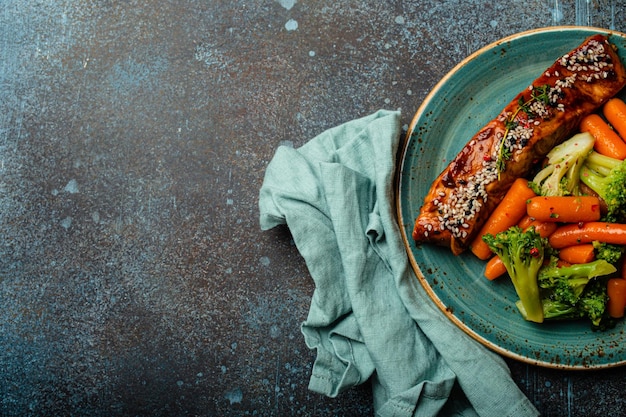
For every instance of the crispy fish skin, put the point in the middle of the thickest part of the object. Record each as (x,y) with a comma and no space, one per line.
(463,196)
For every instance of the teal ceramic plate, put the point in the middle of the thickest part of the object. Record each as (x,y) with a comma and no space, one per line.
(468,97)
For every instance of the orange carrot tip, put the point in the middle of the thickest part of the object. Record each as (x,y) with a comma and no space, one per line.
(615,112)
(616,290)
(494,268)
(578,254)
(508,213)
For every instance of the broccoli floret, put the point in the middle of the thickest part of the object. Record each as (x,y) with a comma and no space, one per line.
(610,253)
(561,175)
(522,252)
(566,284)
(592,303)
(607,177)
(574,292)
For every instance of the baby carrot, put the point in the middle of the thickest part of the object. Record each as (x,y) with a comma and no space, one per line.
(577,233)
(544,229)
(607,141)
(564,209)
(510,210)
(525,222)
(578,254)
(615,112)
(494,268)
(560,263)
(616,290)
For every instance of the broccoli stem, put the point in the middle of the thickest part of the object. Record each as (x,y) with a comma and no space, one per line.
(607,177)
(550,275)
(522,252)
(552,310)
(524,278)
(601,163)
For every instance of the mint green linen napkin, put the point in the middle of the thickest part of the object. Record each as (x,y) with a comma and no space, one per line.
(369,318)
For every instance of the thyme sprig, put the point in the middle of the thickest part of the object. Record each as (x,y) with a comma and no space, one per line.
(541,96)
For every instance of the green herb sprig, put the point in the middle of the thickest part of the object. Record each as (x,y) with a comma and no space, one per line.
(540,94)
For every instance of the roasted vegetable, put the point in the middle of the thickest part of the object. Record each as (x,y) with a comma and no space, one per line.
(561,174)
(607,177)
(573,292)
(522,252)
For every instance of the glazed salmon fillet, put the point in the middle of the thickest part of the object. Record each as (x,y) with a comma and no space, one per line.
(463,196)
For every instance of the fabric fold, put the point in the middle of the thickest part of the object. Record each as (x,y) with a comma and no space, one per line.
(369,318)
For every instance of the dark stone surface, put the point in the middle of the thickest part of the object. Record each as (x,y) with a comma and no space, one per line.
(134,279)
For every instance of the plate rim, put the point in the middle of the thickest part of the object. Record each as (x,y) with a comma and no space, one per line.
(407,142)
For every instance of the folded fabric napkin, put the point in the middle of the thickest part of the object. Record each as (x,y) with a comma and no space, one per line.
(370,319)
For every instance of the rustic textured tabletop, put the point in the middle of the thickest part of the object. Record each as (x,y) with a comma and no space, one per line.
(134,136)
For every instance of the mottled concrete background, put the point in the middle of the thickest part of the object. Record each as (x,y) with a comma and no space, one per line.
(134,279)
